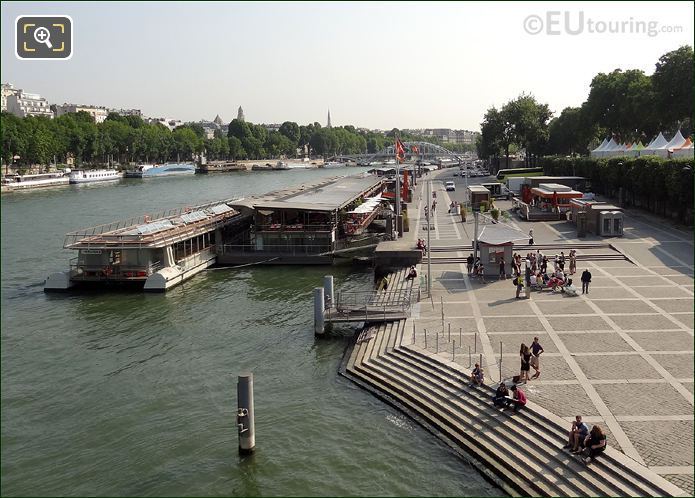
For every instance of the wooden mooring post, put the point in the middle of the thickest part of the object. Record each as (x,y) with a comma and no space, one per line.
(245,414)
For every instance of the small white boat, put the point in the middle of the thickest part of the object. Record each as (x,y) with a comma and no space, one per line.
(94,175)
(21,182)
(334,164)
(281,166)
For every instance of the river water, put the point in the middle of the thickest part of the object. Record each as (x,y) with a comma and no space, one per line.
(127,393)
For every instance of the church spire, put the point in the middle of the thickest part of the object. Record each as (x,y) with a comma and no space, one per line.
(240,114)
(328,124)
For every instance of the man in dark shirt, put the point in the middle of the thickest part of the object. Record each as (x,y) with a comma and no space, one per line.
(469,263)
(536,350)
(586,280)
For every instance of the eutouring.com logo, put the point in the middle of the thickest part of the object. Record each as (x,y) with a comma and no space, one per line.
(555,23)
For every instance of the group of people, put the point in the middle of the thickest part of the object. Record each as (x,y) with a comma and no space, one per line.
(422,245)
(454,207)
(582,440)
(475,267)
(536,275)
(412,274)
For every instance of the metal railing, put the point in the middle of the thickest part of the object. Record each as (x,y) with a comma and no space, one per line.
(100,232)
(83,271)
(298,227)
(287,249)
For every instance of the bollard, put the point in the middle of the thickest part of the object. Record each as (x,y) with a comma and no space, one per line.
(449,340)
(318,311)
(460,336)
(480,362)
(413,332)
(244,418)
(500,361)
(453,350)
(425,338)
(437,344)
(475,342)
(441,301)
(328,290)
(470,359)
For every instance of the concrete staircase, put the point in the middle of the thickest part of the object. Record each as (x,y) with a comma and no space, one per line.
(522,452)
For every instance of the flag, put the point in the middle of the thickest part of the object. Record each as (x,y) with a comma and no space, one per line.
(400,150)
(415,149)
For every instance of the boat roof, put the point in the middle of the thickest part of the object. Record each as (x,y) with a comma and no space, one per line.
(327,195)
(158,231)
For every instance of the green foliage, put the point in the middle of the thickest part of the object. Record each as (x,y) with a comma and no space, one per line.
(483,206)
(495,213)
(661,185)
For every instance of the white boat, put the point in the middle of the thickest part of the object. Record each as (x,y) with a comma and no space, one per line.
(168,169)
(281,166)
(94,175)
(334,164)
(21,182)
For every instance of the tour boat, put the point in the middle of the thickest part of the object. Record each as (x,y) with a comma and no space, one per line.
(168,169)
(21,182)
(94,175)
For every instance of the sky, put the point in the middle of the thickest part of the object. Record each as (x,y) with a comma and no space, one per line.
(375,65)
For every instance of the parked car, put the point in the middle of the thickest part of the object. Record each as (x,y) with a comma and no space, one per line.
(450,186)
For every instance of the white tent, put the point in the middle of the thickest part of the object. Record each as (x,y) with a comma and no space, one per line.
(636,149)
(610,147)
(685,150)
(676,142)
(597,151)
(655,145)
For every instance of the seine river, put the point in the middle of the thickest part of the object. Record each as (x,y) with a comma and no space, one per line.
(126,393)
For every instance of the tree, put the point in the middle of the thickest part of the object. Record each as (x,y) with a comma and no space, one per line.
(239,129)
(291,131)
(236,149)
(186,142)
(527,124)
(673,85)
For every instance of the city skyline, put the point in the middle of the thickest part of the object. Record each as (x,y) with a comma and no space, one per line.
(292,62)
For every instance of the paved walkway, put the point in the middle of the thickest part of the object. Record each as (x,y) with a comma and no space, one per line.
(621,356)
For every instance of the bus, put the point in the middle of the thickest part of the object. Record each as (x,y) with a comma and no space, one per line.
(503,174)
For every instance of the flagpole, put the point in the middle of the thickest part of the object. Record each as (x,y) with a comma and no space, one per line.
(398,189)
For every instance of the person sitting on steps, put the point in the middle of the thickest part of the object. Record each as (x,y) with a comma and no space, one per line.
(577,435)
(477,376)
(499,399)
(412,274)
(595,444)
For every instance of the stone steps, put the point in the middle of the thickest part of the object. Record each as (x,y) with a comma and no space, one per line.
(606,473)
(502,446)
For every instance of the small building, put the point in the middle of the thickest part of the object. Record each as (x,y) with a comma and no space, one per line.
(478,194)
(596,217)
(98,113)
(496,242)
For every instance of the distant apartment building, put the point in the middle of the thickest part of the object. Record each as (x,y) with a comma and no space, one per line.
(25,104)
(271,127)
(7,90)
(98,113)
(172,124)
(127,112)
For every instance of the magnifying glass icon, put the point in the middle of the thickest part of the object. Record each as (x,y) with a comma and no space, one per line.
(42,35)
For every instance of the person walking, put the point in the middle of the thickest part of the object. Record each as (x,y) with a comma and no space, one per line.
(530,237)
(469,263)
(536,351)
(503,272)
(586,280)
(518,280)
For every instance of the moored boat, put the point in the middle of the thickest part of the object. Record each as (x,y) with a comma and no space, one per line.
(168,169)
(94,175)
(21,182)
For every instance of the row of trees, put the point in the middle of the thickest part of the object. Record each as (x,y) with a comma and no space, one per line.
(122,139)
(628,105)
(39,140)
(659,185)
